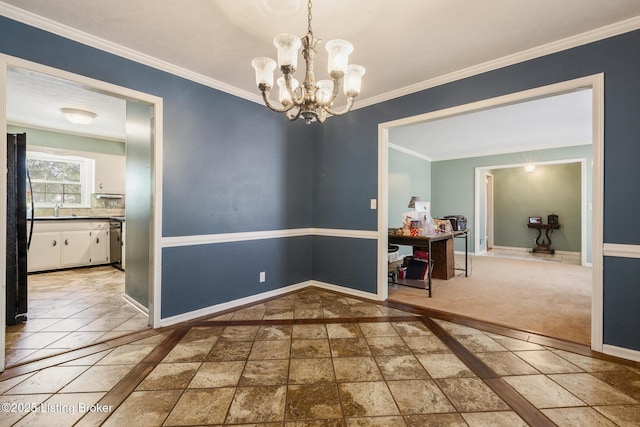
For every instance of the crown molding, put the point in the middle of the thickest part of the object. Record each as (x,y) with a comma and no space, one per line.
(76,35)
(602,33)
(71,33)
(410,152)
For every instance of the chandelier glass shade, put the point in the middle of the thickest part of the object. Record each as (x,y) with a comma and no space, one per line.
(312,100)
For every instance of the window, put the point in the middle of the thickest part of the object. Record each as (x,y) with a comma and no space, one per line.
(60,179)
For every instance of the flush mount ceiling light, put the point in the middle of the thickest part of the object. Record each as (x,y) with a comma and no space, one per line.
(529,167)
(79,117)
(312,100)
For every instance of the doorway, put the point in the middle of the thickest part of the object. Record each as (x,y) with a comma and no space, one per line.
(489,210)
(140,279)
(595,83)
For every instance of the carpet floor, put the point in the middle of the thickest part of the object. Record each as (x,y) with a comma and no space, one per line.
(547,298)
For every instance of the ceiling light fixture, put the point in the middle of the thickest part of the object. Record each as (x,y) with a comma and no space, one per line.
(312,100)
(79,117)
(529,167)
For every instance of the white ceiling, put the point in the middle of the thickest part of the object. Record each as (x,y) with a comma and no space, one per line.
(555,121)
(404,45)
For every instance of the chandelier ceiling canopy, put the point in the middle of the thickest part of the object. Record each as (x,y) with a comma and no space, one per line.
(312,100)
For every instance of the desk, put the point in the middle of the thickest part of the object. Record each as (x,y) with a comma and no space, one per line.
(440,248)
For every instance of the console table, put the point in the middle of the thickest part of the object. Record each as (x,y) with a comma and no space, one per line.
(542,245)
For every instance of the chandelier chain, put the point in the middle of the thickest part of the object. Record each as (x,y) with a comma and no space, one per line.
(309,16)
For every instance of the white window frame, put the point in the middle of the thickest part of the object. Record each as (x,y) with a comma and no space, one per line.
(87,168)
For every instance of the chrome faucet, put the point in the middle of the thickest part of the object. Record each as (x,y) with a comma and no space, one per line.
(56,209)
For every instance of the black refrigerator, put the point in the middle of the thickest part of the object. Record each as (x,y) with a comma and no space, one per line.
(18,238)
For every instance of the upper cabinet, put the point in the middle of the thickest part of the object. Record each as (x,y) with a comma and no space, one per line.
(110,172)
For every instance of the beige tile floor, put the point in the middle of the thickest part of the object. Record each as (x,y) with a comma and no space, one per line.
(71,308)
(316,358)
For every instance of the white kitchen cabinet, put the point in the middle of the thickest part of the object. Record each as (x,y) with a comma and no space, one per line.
(68,243)
(110,172)
(100,245)
(45,251)
(75,249)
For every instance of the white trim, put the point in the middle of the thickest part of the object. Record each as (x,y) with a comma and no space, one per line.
(230,305)
(208,239)
(622,251)
(410,152)
(157,131)
(71,33)
(596,83)
(135,304)
(155,297)
(622,352)
(348,291)
(211,310)
(612,30)
(597,213)
(383,213)
(353,234)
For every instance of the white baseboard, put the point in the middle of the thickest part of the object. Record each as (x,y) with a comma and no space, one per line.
(624,353)
(341,289)
(208,311)
(135,304)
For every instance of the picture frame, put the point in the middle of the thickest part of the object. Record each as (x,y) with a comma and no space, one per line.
(535,220)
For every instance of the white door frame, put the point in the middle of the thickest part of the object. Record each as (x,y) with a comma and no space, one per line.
(488,211)
(7,62)
(596,84)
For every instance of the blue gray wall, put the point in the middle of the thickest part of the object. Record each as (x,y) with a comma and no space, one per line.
(349,155)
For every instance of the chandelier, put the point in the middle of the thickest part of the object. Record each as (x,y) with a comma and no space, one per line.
(312,100)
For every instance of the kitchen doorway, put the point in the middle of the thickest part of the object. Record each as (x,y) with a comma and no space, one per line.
(122,297)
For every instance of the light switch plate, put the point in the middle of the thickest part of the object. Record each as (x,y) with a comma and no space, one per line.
(374,204)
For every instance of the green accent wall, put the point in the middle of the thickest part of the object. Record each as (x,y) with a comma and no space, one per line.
(547,189)
(44,138)
(453,188)
(408,176)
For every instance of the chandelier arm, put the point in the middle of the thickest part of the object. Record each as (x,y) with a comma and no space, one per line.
(346,109)
(297,100)
(293,117)
(267,102)
(334,93)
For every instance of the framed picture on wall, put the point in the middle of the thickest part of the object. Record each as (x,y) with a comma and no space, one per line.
(535,220)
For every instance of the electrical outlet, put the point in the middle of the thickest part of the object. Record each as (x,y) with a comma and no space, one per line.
(263,277)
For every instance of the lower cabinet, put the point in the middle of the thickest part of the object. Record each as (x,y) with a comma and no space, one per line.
(75,250)
(45,251)
(71,243)
(100,246)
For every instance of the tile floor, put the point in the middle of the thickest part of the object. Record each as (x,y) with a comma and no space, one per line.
(316,358)
(69,309)
(525,254)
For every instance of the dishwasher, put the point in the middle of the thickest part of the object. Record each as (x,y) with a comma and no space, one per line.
(115,235)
